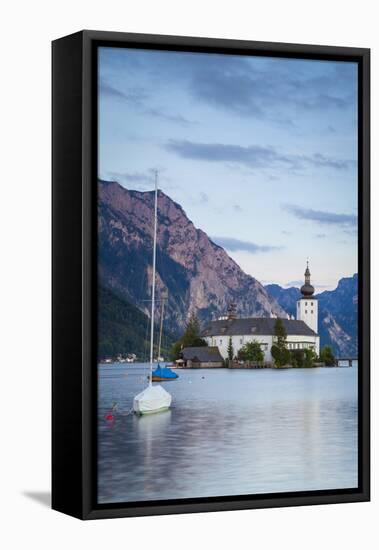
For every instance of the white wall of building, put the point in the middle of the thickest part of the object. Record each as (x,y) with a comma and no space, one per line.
(222,342)
(307,311)
(266,342)
(301,342)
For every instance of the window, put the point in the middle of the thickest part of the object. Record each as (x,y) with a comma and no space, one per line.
(306,303)
(312,311)
(220,340)
(241,340)
(311,303)
(306,312)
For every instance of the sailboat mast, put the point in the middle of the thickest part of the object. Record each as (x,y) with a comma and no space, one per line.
(153,282)
(161,328)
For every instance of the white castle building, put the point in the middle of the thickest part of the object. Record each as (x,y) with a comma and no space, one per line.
(302,332)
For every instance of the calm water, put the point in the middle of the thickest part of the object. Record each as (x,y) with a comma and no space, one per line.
(229,432)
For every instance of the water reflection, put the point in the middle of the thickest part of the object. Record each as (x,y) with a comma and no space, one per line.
(229,432)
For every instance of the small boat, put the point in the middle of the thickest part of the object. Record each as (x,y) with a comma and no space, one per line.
(163,373)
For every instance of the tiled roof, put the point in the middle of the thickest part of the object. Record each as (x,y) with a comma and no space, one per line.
(204,354)
(256,325)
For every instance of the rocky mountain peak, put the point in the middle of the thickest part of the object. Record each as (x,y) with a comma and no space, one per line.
(198,274)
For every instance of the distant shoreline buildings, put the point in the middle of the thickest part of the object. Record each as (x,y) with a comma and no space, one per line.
(302,332)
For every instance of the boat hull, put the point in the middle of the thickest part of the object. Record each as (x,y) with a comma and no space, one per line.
(155,411)
(163,374)
(161,379)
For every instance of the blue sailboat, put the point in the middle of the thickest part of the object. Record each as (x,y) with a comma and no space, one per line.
(163,373)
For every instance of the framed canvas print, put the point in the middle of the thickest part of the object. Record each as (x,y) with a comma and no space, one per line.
(211,345)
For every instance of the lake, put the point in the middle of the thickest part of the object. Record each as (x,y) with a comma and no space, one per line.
(229,432)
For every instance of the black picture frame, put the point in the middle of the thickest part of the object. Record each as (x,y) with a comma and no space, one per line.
(74,175)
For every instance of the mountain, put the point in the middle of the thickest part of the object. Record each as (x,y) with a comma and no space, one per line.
(339,316)
(123,328)
(338,313)
(198,274)
(286,297)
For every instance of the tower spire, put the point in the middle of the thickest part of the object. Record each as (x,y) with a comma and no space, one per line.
(307,274)
(307,290)
(307,307)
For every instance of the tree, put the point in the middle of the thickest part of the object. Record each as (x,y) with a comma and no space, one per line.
(302,358)
(281,356)
(251,352)
(230,350)
(327,356)
(297,358)
(190,338)
(310,358)
(280,334)
(279,350)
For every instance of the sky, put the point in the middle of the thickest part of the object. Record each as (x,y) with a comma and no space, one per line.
(260,152)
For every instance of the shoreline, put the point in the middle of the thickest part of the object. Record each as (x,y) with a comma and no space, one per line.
(239,367)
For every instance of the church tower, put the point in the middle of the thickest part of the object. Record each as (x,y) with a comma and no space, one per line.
(307,306)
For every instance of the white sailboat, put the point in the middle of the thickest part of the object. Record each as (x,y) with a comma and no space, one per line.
(152,399)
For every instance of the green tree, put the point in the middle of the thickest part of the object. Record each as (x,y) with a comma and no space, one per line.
(230,350)
(297,358)
(190,338)
(251,351)
(280,333)
(302,358)
(327,356)
(310,358)
(279,350)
